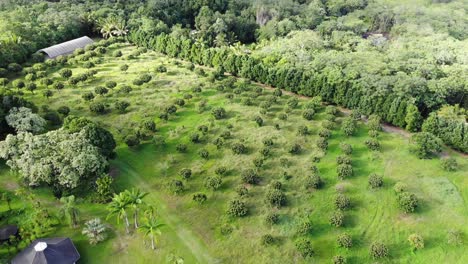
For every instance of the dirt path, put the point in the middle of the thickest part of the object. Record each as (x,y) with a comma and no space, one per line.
(190,240)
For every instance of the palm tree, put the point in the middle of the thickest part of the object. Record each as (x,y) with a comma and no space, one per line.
(95,231)
(152,228)
(69,210)
(112,26)
(118,207)
(135,197)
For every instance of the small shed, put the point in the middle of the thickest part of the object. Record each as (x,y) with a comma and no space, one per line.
(66,47)
(48,251)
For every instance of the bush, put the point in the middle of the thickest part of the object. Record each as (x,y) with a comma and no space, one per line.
(275,198)
(117,53)
(374,123)
(237,208)
(304,227)
(242,191)
(265,151)
(277,185)
(308,114)
(132,140)
(185,173)
(268,142)
(426,144)
(111,84)
(344,240)
(399,187)
(64,110)
(342,202)
(59,86)
(250,176)
(373,134)
(176,186)
(258,120)
(375,181)
(14,67)
(343,159)
(258,162)
(378,250)
(373,144)
(292,103)
(455,237)
(314,181)
(181,147)
(239,148)
(195,138)
(416,242)
(449,164)
(97,107)
(338,259)
(271,218)
(346,148)
(336,219)
(200,198)
(149,125)
(295,149)
(322,143)
(161,68)
(221,170)
(302,130)
(171,109)
(267,240)
(407,202)
(304,247)
(325,133)
(180,102)
(218,113)
(282,116)
(101,90)
(213,183)
(88,65)
(344,171)
(203,153)
(349,126)
(278,92)
(31,87)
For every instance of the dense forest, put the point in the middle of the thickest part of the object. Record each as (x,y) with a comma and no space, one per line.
(405,61)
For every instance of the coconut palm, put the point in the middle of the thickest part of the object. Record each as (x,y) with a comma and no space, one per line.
(69,210)
(152,228)
(118,207)
(135,197)
(95,231)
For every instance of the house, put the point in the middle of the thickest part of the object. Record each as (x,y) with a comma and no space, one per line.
(48,251)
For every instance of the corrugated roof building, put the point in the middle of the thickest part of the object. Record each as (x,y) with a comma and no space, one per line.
(66,47)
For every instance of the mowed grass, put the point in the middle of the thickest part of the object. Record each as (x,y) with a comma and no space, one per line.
(194,231)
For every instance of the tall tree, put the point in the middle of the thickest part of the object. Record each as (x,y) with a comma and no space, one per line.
(118,207)
(152,228)
(135,197)
(70,210)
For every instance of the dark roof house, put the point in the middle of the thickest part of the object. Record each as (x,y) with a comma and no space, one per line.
(7,231)
(48,251)
(66,47)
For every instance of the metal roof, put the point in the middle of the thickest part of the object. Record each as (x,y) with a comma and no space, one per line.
(48,251)
(66,47)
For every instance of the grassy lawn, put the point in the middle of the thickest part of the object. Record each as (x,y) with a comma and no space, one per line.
(193,231)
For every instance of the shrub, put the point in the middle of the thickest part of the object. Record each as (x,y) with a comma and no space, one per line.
(338,259)
(31,87)
(292,103)
(268,142)
(258,120)
(203,153)
(218,113)
(101,90)
(111,84)
(3,72)
(416,242)
(328,124)
(278,92)
(117,53)
(265,151)
(97,107)
(181,147)
(304,247)
(399,187)
(344,171)
(455,237)
(407,202)
(349,126)
(258,162)
(308,114)
(250,176)
(30,77)
(374,123)
(132,140)
(185,173)
(314,181)
(149,125)
(344,240)
(226,134)
(271,218)
(378,250)
(295,149)
(302,130)
(171,109)
(237,208)
(195,138)
(14,67)
(343,159)
(18,84)
(322,143)
(336,219)
(176,186)
(373,133)
(200,198)
(342,202)
(282,116)
(213,183)
(59,86)
(180,102)
(275,198)
(304,227)
(64,110)
(346,148)
(161,68)
(426,144)
(325,133)
(88,65)
(242,191)
(267,240)
(449,164)
(239,148)
(373,144)
(375,181)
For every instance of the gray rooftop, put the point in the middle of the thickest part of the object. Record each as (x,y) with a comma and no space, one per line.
(66,47)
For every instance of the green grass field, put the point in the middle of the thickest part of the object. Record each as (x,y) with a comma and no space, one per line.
(193,231)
